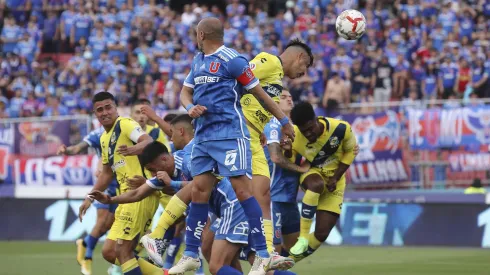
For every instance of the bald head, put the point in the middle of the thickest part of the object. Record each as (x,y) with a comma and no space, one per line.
(211,28)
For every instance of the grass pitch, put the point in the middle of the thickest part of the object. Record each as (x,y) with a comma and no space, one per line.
(44,258)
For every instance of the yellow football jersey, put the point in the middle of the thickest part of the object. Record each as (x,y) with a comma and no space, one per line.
(336,144)
(268,69)
(157,134)
(124,132)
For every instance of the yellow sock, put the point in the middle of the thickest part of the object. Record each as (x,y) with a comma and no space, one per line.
(313,242)
(147,268)
(310,202)
(269,235)
(131,267)
(175,209)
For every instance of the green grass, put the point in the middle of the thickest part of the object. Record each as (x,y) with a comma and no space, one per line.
(39,258)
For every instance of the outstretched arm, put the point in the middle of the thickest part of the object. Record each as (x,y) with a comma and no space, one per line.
(72,150)
(278,158)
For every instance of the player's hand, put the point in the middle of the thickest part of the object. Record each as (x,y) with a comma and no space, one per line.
(149,112)
(305,167)
(164,177)
(286,144)
(126,150)
(136,182)
(331,184)
(61,150)
(83,208)
(197,111)
(100,197)
(356,150)
(288,131)
(263,140)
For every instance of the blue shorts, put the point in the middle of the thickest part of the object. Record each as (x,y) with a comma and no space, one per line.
(111,191)
(228,158)
(232,226)
(285,218)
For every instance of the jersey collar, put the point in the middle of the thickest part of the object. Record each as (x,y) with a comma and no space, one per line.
(219,49)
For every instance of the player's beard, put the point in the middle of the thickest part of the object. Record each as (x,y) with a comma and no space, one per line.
(200,46)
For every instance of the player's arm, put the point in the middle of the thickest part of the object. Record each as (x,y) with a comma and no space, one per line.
(176,185)
(72,150)
(103,180)
(162,124)
(186,94)
(349,149)
(132,129)
(128,197)
(278,158)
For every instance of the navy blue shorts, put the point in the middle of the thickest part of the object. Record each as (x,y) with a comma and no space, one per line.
(111,191)
(285,218)
(228,158)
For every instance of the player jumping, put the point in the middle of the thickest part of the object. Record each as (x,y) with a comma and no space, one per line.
(328,144)
(211,95)
(270,70)
(122,140)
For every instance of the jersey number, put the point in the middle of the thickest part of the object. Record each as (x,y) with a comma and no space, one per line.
(214,67)
(278,221)
(230,158)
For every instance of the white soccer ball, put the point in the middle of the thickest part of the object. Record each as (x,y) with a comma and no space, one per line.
(351,24)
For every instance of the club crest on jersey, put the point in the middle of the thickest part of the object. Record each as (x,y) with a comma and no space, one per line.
(334,142)
(214,67)
(113,139)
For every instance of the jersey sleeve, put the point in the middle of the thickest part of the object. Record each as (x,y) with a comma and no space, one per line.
(348,145)
(240,70)
(155,183)
(189,79)
(93,138)
(272,132)
(182,163)
(131,129)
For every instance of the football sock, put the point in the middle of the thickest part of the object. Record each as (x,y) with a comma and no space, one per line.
(169,235)
(284,252)
(131,267)
(228,270)
(313,243)
(308,210)
(269,235)
(89,242)
(172,251)
(200,270)
(174,210)
(198,216)
(147,268)
(284,272)
(254,215)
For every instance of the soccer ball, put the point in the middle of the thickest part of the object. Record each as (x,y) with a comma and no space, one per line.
(350,24)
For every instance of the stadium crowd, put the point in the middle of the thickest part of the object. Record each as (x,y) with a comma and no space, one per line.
(412,49)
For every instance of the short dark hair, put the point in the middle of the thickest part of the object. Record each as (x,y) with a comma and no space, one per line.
(141,101)
(151,152)
(302,113)
(169,117)
(298,43)
(102,96)
(182,118)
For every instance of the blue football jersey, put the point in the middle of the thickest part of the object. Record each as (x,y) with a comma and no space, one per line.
(93,140)
(219,81)
(222,197)
(284,183)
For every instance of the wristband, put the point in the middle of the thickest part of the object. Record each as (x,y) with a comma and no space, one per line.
(189,106)
(175,184)
(284,121)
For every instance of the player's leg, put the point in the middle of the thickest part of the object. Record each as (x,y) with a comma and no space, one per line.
(174,246)
(314,186)
(290,225)
(222,256)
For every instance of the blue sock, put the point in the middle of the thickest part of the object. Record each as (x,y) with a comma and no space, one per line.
(200,270)
(91,242)
(169,235)
(228,270)
(278,272)
(172,250)
(254,215)
(284,253)
(196,220)
(136,271)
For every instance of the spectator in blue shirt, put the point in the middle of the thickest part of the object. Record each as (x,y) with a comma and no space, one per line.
(448,72)
(11,34)
(82,24)
(54,108)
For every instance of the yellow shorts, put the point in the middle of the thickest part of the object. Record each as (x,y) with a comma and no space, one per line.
(133,219)
(259,161)
(164,199)
(329,201)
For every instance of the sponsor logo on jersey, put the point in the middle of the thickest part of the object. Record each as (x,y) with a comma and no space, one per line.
(205,79)
(334,142)
(118,164)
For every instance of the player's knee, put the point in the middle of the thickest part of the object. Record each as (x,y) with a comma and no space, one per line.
(316,187)
(109,254)
(214,267)
(201,189)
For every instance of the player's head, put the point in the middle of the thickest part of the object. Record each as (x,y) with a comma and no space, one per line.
(169,117)
(105,108)
(211,30)
(136,113)
(299,56)
(286,101)
(156,157)
(182,131)
(304,117)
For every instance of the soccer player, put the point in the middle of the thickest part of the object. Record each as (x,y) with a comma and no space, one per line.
(270,70)
(284,181)
(105,212)
(211,95)
(122,140)
(328,144)
(138,114)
